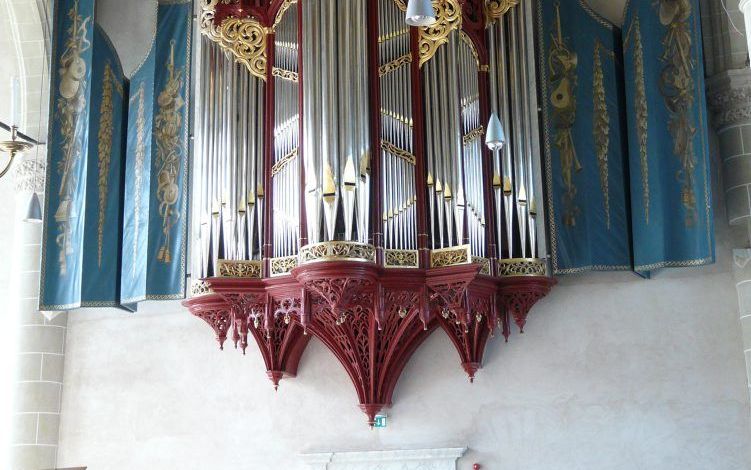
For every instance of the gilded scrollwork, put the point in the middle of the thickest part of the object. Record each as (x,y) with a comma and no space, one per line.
(450,256)
(240,269)
(677,86)
(200,288)
(474,135)
(395,64)
(401,259)
(337,251)
(518,267)
(562,64)
(401,4)
(168,124)
(449,18)
(601,127)
(282,266)
(71,104)
(396,151)
(282,10)
(285,74)
(495,9)
(484,263)
(284,161)
(245,38)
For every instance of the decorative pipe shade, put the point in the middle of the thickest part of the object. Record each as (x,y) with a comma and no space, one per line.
(495,137)
(34,211)
(420,13)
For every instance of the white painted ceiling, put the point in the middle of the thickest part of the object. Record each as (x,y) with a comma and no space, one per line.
(610,9)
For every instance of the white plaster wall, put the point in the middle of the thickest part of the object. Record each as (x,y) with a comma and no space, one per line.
(614,372)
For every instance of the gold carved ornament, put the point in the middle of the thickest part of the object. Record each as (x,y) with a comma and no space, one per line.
(245,38)
(495,9)
(282,266)
(282,10)
(484,263)
(452,256)
(240,269)
(395,64)
(473,135)
(519,267)
(337,251)
(285,74)
(397,152)
(401,259)
(449,18)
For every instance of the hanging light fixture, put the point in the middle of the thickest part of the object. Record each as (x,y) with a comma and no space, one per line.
(420,13)
(495,139)
(34,210)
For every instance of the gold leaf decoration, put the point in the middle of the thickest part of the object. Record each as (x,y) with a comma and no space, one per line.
(450,256)
(282,266)
(282,10)
(337,251)
(240,269)
(397,152)
(517,267)
(285,74)
(449,18)
(245,38)
(495,9)
(401,259)
(395,64)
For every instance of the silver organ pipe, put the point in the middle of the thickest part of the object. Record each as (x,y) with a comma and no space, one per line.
(472,142)
(286,168)
(320,156)
(337,137)
(398,191)
(229,153)
(517,178)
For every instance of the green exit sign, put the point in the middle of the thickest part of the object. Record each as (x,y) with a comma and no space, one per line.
(380,421)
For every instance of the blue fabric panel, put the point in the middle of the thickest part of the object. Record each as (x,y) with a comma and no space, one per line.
(102,234)
(137,183)
(156,201)
(64,216)
(584,137)
(667,123)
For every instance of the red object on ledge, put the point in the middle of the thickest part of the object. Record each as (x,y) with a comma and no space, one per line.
(372,319)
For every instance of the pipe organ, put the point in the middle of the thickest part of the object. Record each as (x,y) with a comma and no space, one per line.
(343,186)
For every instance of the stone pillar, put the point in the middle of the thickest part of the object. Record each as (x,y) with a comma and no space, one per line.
(745,7)
(38,372)
(729,99)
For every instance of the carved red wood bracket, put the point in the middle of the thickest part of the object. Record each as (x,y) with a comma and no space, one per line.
(371,319)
